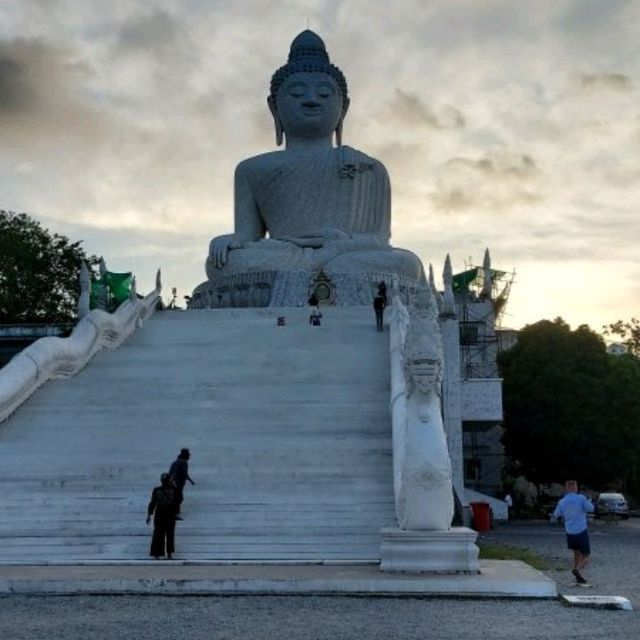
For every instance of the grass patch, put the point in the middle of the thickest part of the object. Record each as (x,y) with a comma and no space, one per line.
(492,551)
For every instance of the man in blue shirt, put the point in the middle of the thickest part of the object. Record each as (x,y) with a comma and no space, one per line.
(573,508)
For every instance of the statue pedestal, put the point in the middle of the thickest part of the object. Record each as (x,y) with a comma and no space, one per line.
(452,551)
(282,288)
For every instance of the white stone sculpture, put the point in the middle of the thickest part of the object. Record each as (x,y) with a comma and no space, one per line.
(313,205)
(487,287)
(424,540)
(102,267)
(102,291)
(422,470)
(85,291)
(448,307)
(133,293)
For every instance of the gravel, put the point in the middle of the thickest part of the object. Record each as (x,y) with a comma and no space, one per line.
(615,571)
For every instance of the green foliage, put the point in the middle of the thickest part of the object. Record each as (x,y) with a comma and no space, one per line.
(38,272)
(493,551)
(571,409)
(629,332)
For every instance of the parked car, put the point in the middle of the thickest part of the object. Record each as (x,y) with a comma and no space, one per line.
(612,504)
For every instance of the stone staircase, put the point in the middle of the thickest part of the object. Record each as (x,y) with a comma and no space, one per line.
(288,426)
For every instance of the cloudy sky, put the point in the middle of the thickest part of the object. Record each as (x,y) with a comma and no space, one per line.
(513,125)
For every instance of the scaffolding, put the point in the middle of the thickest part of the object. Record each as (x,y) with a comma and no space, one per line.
(479,317)
(480,310)
(469,284)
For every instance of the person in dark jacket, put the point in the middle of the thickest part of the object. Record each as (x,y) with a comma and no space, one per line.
(382,291)
(179,471)
(162,507)
(378,307)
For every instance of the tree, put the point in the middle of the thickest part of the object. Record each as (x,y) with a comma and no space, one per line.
(629,332)
(571,409)
(39,272)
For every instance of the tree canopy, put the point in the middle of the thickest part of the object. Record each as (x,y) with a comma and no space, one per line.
(39,272)
(571,409)
(628,332)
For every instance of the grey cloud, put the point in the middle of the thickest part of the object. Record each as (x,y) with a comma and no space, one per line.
(590,15)
(35,74)
(498,181)
(400,155)
(518,165)
(413,110)
(452,198)
(158,47)
(42,96)
(611,81)
(157,30)
(15,92)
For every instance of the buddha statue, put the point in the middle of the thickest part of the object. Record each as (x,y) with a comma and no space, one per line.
(312,207)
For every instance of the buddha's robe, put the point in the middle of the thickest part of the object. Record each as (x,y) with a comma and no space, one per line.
(299,195)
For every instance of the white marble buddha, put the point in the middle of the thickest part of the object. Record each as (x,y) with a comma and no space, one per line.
(313,205)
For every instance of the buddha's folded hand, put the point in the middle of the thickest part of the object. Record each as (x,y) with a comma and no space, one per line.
(317,239)
(220,245)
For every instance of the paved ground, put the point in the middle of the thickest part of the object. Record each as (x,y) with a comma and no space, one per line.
(615,571)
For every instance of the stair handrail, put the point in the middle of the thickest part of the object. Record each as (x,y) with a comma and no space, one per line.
(53,357)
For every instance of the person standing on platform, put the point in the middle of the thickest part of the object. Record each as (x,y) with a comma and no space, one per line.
(573,508)
(378,306)
(162,507)
(314,311)
(179,471)
(508,500)
(382,291)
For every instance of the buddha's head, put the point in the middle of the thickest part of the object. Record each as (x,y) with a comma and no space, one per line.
(309,96)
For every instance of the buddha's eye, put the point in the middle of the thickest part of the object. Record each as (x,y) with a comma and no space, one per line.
(297,89)
(324,90)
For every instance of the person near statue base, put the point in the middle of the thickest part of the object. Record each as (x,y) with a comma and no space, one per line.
(179,472)
(378,307)
(315,317)
(162,507)
(382,291)
(573,509)
(314,311)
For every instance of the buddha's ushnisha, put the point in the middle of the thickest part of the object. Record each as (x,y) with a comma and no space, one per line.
(315,203)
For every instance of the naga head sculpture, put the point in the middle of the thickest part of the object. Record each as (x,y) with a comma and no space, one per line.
(423,353)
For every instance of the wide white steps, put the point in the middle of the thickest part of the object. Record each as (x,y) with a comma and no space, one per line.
(289,430)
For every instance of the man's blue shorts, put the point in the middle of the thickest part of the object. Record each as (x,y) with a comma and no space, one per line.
(579,542)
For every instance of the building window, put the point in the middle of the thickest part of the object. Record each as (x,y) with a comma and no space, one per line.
(469,333)
(472,470)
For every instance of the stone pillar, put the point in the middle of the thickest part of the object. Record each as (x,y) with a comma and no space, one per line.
(452,384)
(85,291)
(487,285)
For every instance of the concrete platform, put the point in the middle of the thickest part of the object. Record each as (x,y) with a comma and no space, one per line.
(498,578)
(598,602)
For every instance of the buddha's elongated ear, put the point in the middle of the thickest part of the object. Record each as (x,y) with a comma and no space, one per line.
(347,102)
(276,120)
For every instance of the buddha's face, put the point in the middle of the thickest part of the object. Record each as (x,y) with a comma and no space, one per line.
(309,105)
